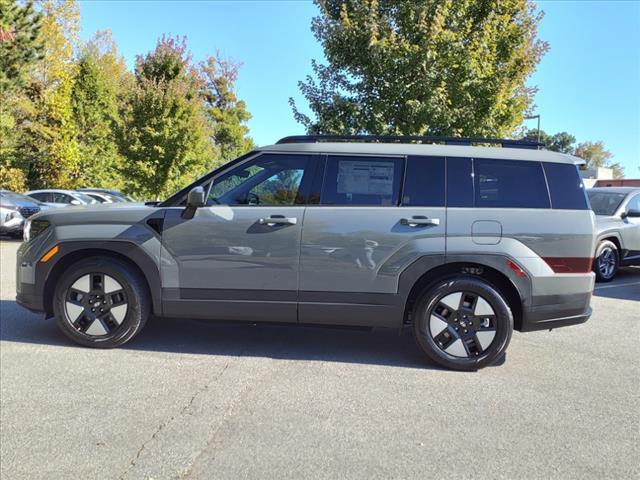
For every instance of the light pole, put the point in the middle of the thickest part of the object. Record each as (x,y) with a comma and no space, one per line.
(531,118)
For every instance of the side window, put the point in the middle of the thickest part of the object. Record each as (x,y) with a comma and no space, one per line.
(634,203)
(351,180)
(424,184)
(459,182)
(42,197)
(270,179)
(565,186)
(61,198)
(509,184)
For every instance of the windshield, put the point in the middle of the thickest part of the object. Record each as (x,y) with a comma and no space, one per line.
(605,203)
(9,196)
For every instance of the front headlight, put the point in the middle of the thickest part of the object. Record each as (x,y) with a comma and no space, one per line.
(33,228)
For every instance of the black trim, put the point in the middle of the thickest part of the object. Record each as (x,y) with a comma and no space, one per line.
(503,142)
(234,294)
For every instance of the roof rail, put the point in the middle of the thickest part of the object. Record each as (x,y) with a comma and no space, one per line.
(504,142)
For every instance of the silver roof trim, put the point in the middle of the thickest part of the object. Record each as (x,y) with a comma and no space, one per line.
(426,150)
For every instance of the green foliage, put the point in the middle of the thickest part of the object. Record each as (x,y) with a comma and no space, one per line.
(51,151)
(226,112)
(12,179)
(428,67)
(594,153)
(597,155)
(20,43)
(100,78)
(562,142)
(20,49)
(166,138)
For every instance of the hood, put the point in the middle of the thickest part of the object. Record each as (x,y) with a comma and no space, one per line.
(111,213)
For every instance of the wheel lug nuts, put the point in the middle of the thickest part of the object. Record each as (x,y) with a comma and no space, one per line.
(93,309)
(465,330)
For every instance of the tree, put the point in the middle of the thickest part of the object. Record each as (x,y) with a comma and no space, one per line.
(20,43)
(227,113)
(50,152)
(166,136)
(597,156)
(423,67)
(562,142)
(100,79)
(20,48)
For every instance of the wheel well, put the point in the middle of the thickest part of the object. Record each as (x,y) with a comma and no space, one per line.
(72,257)
(496,278)
(614,240)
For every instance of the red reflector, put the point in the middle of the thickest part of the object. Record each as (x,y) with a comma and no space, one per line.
(569,264)
(516,268)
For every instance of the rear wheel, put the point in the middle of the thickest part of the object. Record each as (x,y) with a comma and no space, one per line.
(463,323)
(101,302)
(607,261)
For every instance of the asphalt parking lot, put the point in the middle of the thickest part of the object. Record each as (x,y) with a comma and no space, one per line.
(189,399)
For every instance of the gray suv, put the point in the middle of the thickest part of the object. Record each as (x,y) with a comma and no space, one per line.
(617,212)
(462,244)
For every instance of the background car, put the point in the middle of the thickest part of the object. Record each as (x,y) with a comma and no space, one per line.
(617,212)
(14,209)
(112,195)
(68,197)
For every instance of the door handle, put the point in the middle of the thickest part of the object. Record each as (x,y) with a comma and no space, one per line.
(420,221)
(274,220)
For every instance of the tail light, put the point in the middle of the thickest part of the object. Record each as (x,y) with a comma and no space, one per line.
(570,264)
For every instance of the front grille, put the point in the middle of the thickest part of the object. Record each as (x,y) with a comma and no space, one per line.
(26,212)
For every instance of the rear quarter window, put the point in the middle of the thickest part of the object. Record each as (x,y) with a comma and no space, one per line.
(509,184)
(565,186)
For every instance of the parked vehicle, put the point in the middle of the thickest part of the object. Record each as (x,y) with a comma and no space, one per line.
(110,196)
(618,229)
(67,197)
(461,243)
(14,209)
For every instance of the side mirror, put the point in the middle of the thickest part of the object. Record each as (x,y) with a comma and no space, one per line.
(633,213)
(195,200)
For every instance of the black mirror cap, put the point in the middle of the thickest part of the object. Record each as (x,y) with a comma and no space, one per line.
(633,213)
(195,197)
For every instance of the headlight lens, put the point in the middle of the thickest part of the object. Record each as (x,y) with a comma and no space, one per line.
(33,228)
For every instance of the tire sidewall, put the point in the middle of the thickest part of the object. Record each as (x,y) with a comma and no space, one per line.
(504,322)
(134,318)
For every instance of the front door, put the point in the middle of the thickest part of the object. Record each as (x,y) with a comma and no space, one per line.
(237,258)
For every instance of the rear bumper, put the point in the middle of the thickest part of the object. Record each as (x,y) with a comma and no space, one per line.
(575,309)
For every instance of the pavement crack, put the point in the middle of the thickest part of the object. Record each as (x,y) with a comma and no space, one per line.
(164,424)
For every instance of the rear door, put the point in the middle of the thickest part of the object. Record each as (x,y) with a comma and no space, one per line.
(238,257)
(365,232)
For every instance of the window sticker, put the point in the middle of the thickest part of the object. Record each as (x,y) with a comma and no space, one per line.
(365,177)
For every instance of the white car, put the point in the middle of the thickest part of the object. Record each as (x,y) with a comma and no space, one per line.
(68,197)
(14,209)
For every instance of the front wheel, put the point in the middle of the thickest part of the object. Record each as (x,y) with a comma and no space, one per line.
(463,323)
(607,261)
(101,302)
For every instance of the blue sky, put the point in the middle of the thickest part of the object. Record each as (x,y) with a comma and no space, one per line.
(589,81)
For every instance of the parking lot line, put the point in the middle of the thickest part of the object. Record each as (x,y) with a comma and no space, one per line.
(617,285)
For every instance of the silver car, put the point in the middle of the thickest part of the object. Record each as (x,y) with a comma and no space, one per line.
(618,227)
(461,244)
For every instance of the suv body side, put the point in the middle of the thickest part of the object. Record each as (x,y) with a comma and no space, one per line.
(351,264)
(623,230)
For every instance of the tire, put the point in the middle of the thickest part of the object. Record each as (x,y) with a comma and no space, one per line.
(101,302)
(607,261)
(469,305)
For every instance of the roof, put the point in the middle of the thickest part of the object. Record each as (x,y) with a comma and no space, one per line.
(370,148)
(624,190)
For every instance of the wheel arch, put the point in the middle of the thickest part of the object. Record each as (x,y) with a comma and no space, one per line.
(124,251)
(516,292)
(613,237)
